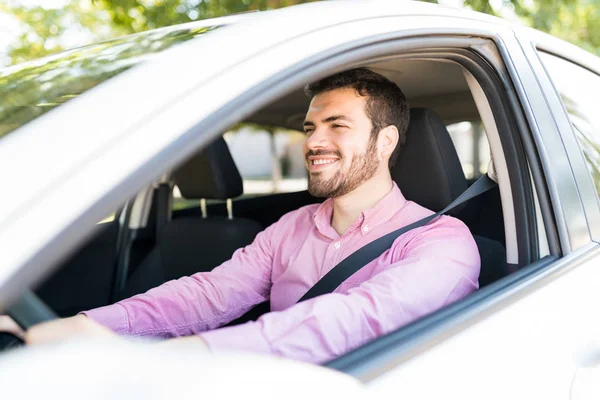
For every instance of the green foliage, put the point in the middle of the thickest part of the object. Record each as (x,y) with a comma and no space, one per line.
(140,15)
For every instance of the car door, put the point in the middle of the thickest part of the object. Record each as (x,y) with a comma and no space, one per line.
(538,337)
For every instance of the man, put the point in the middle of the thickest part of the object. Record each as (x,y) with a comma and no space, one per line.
(355,126)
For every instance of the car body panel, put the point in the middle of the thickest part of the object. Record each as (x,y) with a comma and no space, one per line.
(528,349)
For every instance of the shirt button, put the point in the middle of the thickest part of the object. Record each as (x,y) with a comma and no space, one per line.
(366,228)
(337,245)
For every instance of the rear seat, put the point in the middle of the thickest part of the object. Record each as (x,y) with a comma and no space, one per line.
(188,245)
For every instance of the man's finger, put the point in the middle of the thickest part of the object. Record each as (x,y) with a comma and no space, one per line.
(7,324)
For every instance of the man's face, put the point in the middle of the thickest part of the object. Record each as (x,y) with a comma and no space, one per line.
(340,153)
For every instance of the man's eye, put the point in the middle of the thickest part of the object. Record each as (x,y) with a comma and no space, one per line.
(308,131)
(336,126)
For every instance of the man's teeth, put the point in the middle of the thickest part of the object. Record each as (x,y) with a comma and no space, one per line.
(319,162)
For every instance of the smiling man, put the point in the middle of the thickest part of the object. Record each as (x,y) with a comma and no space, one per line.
(355,127)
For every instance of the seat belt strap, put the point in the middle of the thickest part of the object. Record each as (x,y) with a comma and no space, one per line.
(363,256)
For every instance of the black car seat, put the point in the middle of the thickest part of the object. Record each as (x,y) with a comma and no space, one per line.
(429,172)
(188,245)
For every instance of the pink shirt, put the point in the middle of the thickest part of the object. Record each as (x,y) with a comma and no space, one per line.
(424,270)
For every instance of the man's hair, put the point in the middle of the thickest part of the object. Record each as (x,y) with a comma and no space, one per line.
(385,105)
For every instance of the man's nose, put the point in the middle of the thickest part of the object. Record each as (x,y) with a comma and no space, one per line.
(317,139)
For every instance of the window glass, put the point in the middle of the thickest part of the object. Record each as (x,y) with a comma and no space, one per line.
(29,90)
(579,90)
(270,160)
(472,147)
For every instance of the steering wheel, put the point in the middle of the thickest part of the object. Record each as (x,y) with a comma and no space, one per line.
(26,312)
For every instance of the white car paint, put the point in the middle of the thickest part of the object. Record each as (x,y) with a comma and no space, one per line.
(118,369)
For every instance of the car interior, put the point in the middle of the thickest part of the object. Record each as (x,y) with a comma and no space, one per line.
(149,242)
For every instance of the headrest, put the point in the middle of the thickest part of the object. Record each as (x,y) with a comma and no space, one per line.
(210,174)
(428,170)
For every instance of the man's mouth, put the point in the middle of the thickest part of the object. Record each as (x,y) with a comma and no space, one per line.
(319,163)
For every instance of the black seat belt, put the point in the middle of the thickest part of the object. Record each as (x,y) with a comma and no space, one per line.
(363,256)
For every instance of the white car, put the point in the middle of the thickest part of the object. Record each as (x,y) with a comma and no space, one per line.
(116,125)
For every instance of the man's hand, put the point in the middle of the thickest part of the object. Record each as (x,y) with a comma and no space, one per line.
(7,324)
(79,325)
(185,341)
(59,329)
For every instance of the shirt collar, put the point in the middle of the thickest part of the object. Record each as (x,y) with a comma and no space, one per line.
(369,219)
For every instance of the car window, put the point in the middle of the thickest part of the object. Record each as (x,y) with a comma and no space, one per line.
(579,88)
(472,147)
(269,160)
(29,90)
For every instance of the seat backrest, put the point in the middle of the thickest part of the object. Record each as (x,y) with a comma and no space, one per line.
(429,172)
(197,244)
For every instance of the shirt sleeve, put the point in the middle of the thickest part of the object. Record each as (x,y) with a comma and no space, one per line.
(436,267)
(200,302)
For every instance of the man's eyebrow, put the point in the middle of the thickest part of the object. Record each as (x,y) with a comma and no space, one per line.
(329,119)
(335,118)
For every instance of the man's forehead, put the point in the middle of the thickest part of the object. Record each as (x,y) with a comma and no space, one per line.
(340,101)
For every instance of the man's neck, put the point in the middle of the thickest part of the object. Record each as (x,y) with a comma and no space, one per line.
(347,208)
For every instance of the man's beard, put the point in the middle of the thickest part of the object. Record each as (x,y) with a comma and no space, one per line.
(362,168)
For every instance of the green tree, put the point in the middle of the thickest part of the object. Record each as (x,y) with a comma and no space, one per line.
(141,15)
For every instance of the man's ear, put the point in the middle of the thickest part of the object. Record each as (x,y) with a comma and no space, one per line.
(388,139)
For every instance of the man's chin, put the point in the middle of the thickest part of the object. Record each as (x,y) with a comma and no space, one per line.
(318,190)
(322,189)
